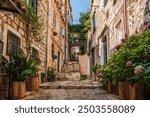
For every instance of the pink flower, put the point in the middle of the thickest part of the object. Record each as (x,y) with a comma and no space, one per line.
(99,74)
(129,63)
(123,40)
(148,24)
(117,46)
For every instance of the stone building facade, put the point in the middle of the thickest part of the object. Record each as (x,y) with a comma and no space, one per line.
(112,20)
(16,30)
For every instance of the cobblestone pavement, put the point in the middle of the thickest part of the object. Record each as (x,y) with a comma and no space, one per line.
(71,94)
(83,90)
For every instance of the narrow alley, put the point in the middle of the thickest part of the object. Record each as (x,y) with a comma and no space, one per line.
(74,49)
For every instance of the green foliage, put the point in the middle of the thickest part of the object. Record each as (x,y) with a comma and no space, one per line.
(37,24)
(20,66)
(83,77)
(135,49)
(95,68)
(51,74)
(83,27)
(85,23)
(76,28)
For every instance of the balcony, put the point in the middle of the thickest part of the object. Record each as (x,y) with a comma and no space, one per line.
(12,6)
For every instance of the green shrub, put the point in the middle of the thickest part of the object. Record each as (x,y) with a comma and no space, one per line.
(131,61)
(51,74)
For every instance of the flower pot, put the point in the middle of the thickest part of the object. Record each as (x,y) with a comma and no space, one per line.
(110,87)
(135,91)
(33,84)
(18,89)
(123,90)
(105,85)
(115,90)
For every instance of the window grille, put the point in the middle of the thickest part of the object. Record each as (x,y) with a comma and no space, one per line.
(13,42)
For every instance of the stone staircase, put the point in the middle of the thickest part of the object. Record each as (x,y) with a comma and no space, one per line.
(70,71)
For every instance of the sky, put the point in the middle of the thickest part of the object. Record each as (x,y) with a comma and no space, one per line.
(79,6)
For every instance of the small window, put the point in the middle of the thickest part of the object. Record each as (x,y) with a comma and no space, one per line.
(54,18)
(105,2)
(53,49)
(1,44)
(105,56)
(13,42)
(114,2)
(102,4)
(35,55)
(34,4)
(119,31)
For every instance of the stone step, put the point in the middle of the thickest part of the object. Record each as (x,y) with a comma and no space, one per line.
(71,67)
(72,76)
(70,85)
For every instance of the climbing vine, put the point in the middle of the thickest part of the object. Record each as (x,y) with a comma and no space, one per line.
(37,23)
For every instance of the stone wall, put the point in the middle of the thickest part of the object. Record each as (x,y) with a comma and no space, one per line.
(136,15)
(110,18)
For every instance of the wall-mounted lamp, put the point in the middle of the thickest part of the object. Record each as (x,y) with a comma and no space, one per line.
(54,57)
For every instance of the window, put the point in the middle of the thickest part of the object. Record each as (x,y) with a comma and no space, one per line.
(105,56)
(35,55)
(1,44)
(114,2)
(54,18)
(53,51)
(34,4)
(94,23)
(119,31)
(60,30)
(13,42)
(102,4)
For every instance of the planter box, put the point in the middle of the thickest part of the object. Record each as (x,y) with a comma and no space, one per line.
(135,91)
(123,90)
(110,87)
(18,89)
(105,85)
(33,84)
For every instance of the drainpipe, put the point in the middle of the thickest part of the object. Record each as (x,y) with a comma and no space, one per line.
(125,19)
(46,48)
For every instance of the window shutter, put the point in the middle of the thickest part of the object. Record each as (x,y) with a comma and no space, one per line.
(1,44)
(35,6)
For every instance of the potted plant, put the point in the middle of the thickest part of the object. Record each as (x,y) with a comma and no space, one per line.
(51,74)
(18,70)
(95,70)
(33,79)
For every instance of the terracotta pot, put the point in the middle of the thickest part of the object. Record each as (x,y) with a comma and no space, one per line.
(135,91)
(18,89)
(33,84)
(115,89)
(123,91)
(105,85)
(110,87)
